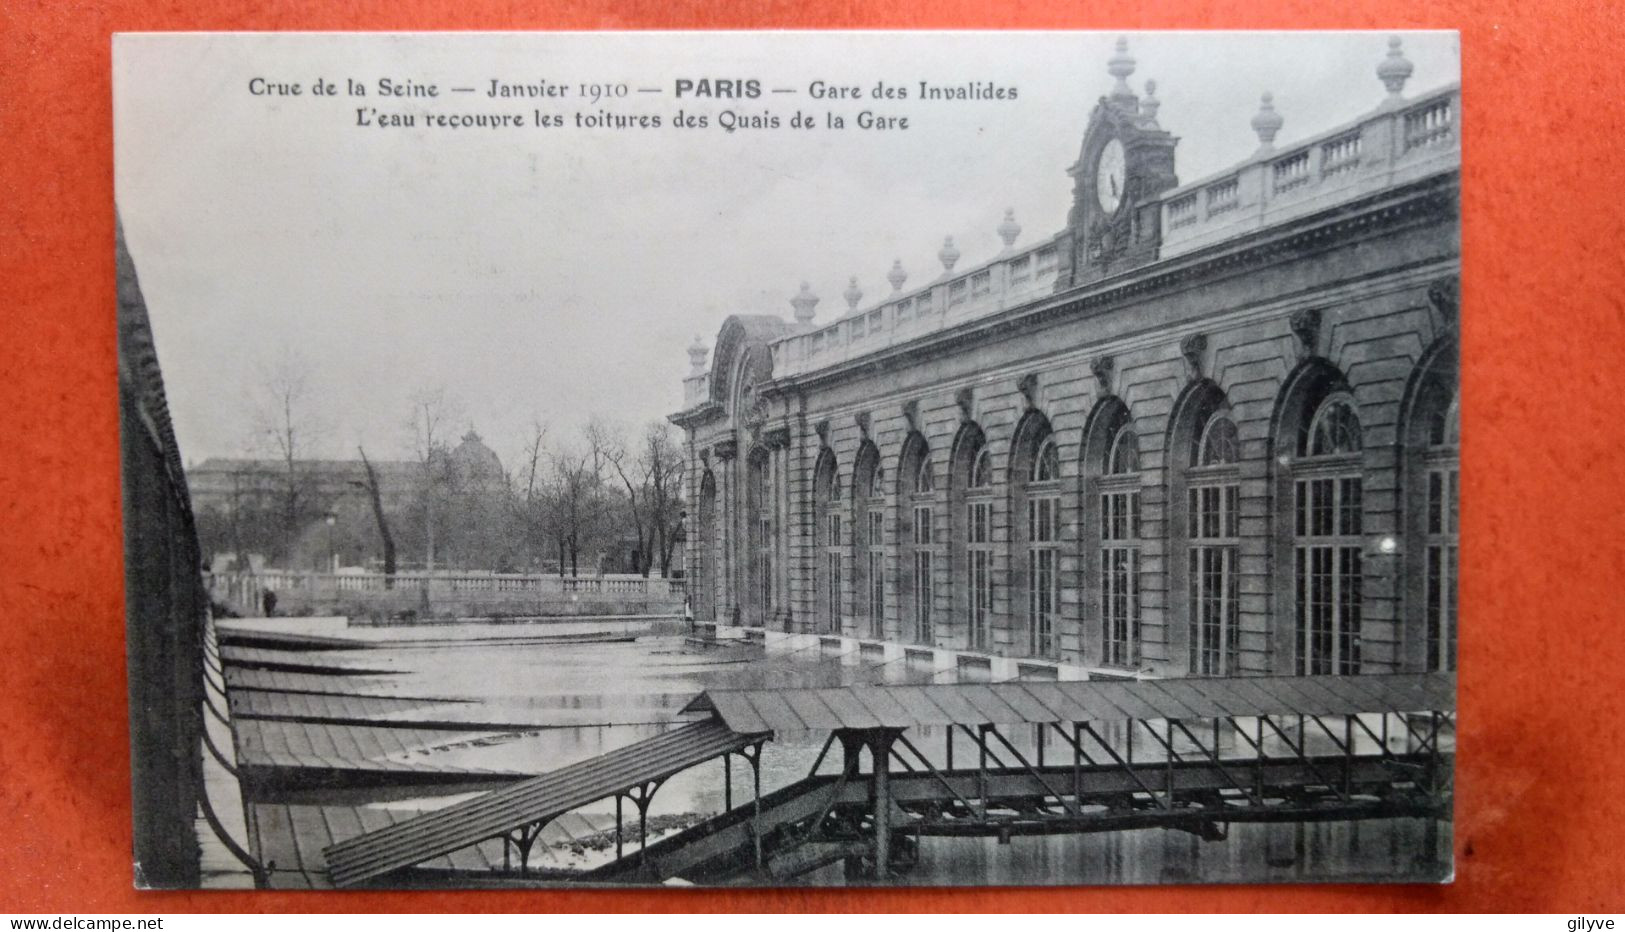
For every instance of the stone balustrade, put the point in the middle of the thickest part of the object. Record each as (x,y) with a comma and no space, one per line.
(450,593)
(289,581)
(1012,277)
(1401,141)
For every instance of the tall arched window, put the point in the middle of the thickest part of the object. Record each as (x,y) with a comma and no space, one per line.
(1036,464)
(1214,498)
(705,544)
(920,543)
(1120,547)
(1444,472)
(1430,441)
(760,509)
(1327,559)
(971,504)
(827,531)
(869,536)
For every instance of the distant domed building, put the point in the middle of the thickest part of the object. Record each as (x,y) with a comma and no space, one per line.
(473,463)
(474,535)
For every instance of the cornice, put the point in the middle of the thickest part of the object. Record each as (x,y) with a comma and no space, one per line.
(1382,211)
(702,413)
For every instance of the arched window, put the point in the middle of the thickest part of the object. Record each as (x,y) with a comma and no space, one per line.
(1120,545)
(1445,428)
(1218,445)
(827,525)
(1047,464)
(761,510)
(981,470)
(1039,555)
(1328,558)
(1335,429)
(1125,453)
(1444,476)
(971,502)
(923,478)
(920,543)
(1214,498)
(869,536)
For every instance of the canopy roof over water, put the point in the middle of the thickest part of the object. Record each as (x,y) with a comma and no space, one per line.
(774,710)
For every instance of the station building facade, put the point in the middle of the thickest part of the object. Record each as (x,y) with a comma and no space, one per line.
(1207,428)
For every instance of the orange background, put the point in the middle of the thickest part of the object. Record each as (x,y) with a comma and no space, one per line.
(1541,815)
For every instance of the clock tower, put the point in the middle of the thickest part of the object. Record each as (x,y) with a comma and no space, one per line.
(1125,162)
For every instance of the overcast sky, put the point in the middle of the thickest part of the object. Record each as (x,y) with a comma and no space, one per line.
(549,274)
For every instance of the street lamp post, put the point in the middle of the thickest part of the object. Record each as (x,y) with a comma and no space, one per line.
(332,553)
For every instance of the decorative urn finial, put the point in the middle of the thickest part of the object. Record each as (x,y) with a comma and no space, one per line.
(1120,66)
(949,254)
(1266,122)
(1149,103)
(897,276)
(696,356)
(804,302)
(1009,229)
(1394,69)
(853,294)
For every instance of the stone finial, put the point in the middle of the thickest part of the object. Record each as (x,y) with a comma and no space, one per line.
(696,356)
(1149,103)
(1394,69)
(853,294)
(897,276)
(1120,66)
(804,302)
(1009,230)
(949,254)
(1266,122)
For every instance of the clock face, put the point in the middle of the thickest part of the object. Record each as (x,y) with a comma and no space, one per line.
(1109,176)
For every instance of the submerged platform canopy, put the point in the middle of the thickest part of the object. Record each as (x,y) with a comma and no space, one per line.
(1012,703)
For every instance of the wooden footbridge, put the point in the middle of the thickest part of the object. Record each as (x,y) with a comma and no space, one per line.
(1003,759)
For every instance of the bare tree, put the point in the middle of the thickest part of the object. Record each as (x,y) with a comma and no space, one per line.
(373,492)
(532,498)
(608,441)
(651,474)
(580,502)
(664,467)
(432,410)
(287,424)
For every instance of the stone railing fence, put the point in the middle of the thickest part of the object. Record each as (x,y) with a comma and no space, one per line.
(441,593)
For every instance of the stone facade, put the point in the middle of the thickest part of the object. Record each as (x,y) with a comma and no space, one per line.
(1206,429)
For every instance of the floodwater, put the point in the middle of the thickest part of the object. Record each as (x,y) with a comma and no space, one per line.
(605,695)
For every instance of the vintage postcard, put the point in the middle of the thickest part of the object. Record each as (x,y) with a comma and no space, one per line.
(789,458)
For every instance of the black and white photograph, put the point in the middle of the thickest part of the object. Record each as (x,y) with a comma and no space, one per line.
(789,458)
